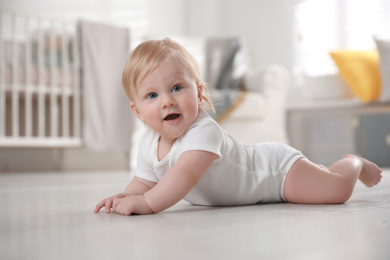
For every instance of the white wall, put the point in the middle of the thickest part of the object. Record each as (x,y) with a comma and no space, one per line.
(166,17)
(265,24)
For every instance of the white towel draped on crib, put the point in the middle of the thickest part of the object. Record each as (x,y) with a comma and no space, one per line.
(107,117)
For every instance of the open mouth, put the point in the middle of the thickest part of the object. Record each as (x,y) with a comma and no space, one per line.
(172,117)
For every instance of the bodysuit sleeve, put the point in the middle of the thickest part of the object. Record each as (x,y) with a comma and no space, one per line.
(205,135)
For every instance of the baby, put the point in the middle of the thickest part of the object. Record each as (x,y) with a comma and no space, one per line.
(186,155)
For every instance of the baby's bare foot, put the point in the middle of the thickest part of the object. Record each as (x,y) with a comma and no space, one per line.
(370,174)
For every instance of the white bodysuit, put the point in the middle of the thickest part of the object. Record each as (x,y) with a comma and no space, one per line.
(242,175)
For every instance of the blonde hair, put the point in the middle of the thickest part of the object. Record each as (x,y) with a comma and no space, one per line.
(144,59)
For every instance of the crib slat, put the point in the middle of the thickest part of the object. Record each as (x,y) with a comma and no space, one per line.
(65,83)
(28,88)
(41,81)
(15,81)
(76,95)
(53,83)
(2,81)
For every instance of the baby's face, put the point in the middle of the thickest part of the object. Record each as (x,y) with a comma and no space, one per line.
(168,101)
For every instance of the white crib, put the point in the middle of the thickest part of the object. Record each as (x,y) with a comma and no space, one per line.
(39,81)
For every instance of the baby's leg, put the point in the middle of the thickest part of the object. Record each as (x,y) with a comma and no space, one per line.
(370,174)
(307,182)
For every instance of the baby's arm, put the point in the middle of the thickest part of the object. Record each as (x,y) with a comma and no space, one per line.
(137,186)
(174,185)
(179,180)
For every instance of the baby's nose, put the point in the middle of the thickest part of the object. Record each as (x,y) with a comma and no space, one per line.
(168,101)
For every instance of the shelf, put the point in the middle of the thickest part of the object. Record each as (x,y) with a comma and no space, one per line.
(302,103)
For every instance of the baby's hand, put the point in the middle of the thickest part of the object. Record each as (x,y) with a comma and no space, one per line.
(131,204)
(107,203)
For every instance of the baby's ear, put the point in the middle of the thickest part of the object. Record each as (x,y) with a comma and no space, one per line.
(136,111)
(200,93)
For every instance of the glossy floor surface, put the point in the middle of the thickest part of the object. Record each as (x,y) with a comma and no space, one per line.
(50,216)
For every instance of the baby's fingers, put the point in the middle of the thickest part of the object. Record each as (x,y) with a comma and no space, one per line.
(123,209)
(104,203)
(99,206)
(108,205)
(115,203)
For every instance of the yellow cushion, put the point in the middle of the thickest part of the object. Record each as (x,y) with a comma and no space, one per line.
(360,70)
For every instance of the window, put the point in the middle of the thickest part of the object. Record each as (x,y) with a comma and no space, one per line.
(320,26)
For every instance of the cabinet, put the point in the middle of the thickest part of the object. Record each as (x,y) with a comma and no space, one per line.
(325,130)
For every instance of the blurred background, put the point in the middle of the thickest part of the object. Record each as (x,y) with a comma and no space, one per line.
(323,117)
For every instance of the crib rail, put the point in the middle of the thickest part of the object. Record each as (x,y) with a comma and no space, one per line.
(39,81)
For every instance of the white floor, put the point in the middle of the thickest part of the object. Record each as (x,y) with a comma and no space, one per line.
(50,216)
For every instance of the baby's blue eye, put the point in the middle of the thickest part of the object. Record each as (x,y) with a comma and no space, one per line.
(152,95)
(176,88)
